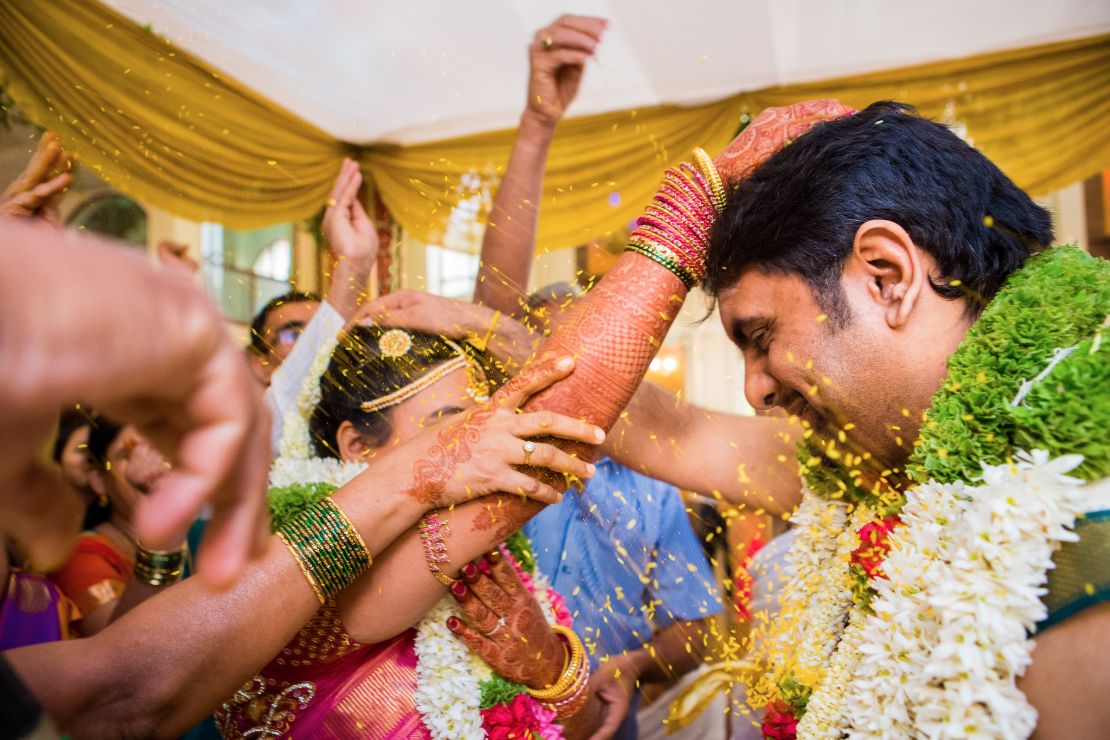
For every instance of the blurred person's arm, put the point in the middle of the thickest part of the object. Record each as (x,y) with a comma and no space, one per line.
(507,340)
(174,658)
(753,457)
(82,318)
(353,240)
(555,73)
(670,654)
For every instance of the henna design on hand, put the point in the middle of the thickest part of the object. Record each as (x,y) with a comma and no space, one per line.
(771,130)
(523,650)
(431,475)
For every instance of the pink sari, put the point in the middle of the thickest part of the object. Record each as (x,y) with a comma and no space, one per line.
(323,684)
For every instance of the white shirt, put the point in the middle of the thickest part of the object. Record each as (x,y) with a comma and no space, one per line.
(287,380)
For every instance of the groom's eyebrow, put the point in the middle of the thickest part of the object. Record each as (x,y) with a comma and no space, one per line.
(741,327)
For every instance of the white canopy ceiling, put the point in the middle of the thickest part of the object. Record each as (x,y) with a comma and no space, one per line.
(408,71)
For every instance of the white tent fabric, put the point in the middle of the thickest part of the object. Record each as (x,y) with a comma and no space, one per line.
(408,71)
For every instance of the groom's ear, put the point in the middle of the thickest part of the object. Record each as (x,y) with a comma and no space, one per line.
(887,265)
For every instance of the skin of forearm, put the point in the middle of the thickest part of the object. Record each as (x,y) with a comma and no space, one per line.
(583,723)
(508,245)
(668,656)
(512,344)
(668,439)
(173,659)
(350,281)
(399,590)
(136,593)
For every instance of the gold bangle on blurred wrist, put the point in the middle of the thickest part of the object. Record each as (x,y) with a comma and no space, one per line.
(159,567)
(566,683)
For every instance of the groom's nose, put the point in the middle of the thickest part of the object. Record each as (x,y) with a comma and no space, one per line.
(760,388)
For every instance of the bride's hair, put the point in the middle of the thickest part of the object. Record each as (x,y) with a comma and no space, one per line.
(359,372)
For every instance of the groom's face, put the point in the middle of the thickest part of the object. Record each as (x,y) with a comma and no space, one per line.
(849,382)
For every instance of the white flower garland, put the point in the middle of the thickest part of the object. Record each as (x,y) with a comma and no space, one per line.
(941,653)
(296,441)
(947,640)
(448,688)
(299,471)
(777,643)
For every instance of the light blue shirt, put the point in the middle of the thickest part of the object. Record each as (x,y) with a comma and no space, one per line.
(625,558)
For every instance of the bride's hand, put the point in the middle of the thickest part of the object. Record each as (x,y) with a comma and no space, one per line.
(771,130)
(484,450)
(505,624)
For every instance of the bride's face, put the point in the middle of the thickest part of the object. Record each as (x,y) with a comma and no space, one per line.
(444,398)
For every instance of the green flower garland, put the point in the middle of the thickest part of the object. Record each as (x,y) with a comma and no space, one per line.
(1059,299)
(288,501)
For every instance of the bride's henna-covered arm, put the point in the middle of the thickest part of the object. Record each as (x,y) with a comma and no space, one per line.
(401,581)
(613,334)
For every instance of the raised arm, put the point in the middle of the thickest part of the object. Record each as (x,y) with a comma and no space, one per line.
(747,460)
(353,242)
(36,190)
(557,58)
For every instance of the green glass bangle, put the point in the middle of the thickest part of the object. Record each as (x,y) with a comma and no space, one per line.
(327,547)
(667,261)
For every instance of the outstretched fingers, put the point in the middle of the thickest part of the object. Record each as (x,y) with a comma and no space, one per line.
(550,457)
(543,373)
(549,423)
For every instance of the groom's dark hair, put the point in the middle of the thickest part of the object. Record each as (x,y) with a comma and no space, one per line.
(799,211)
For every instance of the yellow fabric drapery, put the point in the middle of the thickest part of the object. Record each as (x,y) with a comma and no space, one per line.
(156,122)
(163,126)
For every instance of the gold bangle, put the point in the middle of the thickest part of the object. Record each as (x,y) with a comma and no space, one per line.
(327,547)
(303,566)
(705,165)
(159,567)
(575,653)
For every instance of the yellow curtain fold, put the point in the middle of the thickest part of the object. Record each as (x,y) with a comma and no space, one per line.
(164,127)
(1041,113)
(601,171)
(156,122)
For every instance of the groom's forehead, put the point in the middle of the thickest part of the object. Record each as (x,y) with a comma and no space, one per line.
(758,292)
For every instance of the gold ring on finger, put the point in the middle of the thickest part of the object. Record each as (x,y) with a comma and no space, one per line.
(529,447)
(548,42)
(332,202)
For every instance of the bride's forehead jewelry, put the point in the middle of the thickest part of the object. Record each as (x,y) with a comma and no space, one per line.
(396,343)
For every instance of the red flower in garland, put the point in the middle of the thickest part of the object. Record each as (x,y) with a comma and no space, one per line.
(779,722)
(515,720)
(874,544)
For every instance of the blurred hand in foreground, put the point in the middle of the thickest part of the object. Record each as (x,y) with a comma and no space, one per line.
(36,190)
(83,319)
